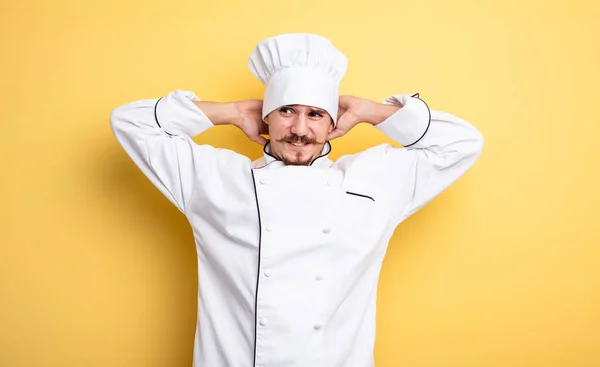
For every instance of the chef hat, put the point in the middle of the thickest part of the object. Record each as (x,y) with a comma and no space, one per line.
(299,68)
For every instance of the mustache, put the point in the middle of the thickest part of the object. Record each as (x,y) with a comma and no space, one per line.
(293,138)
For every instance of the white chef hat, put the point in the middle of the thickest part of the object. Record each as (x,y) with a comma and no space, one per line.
(299,68)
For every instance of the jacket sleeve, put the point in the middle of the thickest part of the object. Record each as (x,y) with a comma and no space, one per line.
(437,149)
(157,135)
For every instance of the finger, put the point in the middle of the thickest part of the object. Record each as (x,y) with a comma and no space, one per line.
(335,134)
(258,139)
(347,121)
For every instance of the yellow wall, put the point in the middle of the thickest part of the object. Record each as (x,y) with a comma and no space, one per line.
(503,269)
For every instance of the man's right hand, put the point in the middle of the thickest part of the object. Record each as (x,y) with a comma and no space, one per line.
(250,120)
(247,115)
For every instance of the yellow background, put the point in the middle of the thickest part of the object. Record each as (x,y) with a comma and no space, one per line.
(503,269)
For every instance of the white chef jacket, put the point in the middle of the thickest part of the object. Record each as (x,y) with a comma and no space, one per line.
(289,256)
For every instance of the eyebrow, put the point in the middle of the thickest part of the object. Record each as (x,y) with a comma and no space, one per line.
(312,109)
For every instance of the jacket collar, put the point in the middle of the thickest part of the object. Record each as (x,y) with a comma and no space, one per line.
(322,159)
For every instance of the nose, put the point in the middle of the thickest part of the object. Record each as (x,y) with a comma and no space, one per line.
(300,126)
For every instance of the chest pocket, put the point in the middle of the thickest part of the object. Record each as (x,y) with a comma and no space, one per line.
(360,195)
(359,219)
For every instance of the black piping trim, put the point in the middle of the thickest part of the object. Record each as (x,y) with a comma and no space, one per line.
(416,95)
(156,116)
(324,154)
(258,268)
(314,160)
(361,195)
(267,153)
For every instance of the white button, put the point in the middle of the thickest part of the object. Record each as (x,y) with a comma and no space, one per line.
(262,181)
(318,326)
(268,229)
(319,277)
(331,184)
(267,273)
(264,321)
(326,230)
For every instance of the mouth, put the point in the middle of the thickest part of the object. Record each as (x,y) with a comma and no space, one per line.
(298,145)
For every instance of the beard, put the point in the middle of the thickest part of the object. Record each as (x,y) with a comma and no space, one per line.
(297,159)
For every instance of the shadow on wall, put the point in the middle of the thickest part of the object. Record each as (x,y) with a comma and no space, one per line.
(135,198)
(158,291)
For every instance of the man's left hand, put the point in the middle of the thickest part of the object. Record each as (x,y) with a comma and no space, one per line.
(349,115)
(353,110)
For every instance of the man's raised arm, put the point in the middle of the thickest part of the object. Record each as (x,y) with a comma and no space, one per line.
(157,135)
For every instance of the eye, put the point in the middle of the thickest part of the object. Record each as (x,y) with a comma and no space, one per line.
(315,114)
(286,110)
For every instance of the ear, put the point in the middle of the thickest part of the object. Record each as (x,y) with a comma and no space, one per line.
(331,127)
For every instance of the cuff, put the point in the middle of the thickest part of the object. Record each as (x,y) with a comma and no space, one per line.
(410,123)
(176,114)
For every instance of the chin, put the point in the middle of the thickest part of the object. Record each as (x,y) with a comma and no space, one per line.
(293,157)
(297,159)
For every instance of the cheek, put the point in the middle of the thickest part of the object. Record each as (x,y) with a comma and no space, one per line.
(321,131)
(276,128)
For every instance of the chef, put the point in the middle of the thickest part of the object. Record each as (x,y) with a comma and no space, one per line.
(290,246)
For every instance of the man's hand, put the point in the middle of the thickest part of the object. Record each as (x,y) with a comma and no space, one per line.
(247,115)
(250,120)
(354,110)
(349,115)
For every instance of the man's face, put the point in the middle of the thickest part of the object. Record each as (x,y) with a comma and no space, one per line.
(298,133)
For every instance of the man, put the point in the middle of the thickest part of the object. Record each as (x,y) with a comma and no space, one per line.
(290,246)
